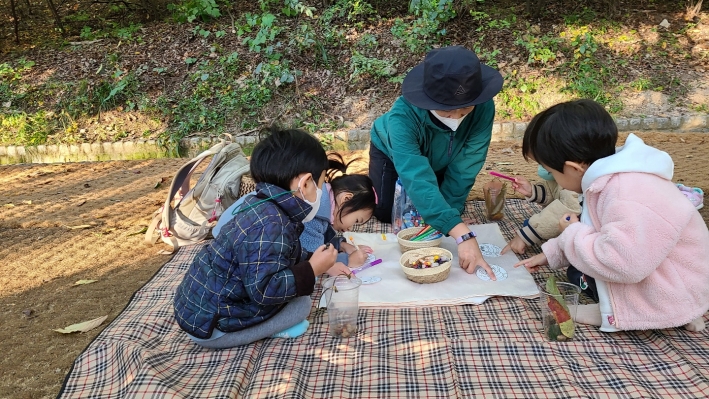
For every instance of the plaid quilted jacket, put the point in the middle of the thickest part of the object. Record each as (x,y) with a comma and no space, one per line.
(251,269)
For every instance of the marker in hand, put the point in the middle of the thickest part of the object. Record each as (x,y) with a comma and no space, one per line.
(498,174)
(366,266)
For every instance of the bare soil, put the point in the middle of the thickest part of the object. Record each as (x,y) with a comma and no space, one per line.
(45,252)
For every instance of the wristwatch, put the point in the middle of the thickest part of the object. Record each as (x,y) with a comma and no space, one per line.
(465,237)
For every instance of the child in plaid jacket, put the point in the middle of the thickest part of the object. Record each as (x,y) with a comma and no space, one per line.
(254,279)
(545,224)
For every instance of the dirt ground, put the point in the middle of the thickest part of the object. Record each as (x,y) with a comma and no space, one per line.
(44,252)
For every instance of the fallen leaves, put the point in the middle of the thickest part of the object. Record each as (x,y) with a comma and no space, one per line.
(83,326)
(84,282)
(141,231)
(83,226)
(81,202)
(159,183)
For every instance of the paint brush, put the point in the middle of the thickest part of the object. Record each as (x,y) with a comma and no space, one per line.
(498,174)
(353,243)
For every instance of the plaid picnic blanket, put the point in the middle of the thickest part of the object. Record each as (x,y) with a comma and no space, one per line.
(494,350)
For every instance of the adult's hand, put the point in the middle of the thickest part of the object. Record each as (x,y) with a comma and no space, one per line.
(470,258)
(469,255)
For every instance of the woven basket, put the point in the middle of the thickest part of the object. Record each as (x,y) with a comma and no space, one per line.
(430,275)
(407,245)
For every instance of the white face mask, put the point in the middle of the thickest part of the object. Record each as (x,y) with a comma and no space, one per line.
(453,124)
(315,205)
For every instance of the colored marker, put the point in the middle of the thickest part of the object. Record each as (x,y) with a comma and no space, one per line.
(366,266)
(422,230)
(426,236)
(568,218)
(498,174)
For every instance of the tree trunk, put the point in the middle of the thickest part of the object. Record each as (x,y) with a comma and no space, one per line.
(16,22)
(56,16)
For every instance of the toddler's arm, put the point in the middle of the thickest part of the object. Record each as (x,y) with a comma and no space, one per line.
(545,224)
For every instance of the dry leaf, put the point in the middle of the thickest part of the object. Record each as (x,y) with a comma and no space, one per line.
(82,282)
(27,202)
(159,183)
(9,205)
(83,226)
(82,202)
(82,327)
(142,231)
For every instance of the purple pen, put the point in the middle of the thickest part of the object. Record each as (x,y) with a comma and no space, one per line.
(366,266)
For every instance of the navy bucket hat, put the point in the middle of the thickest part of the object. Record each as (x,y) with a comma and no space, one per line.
(450,78)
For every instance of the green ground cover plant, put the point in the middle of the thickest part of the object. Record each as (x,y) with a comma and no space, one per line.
(206,67)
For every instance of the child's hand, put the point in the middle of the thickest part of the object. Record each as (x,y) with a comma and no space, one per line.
(323,258)
(566,220)
(517,245)
(356,258)
(522,186)
(338,269)
(366,249)
(532,264)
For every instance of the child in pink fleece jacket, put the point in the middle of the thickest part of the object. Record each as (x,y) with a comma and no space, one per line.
(639,240)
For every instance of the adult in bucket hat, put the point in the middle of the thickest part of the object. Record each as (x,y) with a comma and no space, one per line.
(435,139)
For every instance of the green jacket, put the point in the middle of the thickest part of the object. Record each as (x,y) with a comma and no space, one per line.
(419,148)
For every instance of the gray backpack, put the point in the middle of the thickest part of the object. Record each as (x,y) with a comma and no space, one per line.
(195,211)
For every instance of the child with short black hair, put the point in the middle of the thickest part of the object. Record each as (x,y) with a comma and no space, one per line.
(643,245)
(254,279)
(347,200)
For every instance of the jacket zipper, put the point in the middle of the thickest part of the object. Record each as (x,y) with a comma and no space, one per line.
(450,144)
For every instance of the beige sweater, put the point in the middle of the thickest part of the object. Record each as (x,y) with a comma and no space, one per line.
(545,224)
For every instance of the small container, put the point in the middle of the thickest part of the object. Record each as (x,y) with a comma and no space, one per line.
(559,311)
(407,245)
(428,275)
(495,192)
(342,301)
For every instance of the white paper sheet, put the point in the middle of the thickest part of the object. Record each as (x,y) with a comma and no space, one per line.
(395,290)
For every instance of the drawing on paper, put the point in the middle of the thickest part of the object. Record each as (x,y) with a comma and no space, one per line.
(490,250)
(500,273)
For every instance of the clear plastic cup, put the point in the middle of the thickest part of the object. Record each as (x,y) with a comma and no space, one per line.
(342,301)
(559,311)
(495,192)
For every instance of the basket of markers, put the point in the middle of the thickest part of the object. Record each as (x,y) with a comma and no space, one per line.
(418,237)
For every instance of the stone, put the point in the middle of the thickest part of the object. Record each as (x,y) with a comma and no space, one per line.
(675,122)
(648,123)
(622,124)
(507,130)
(662,123)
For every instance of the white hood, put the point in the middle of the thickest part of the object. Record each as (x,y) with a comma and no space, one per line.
(634,156)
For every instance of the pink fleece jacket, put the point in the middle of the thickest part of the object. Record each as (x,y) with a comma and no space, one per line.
(646,241)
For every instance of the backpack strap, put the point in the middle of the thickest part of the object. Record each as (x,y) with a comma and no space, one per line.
(181,181)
